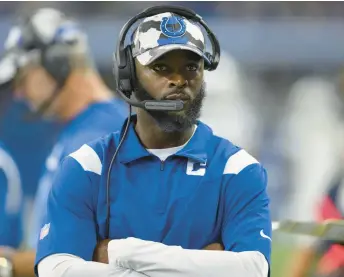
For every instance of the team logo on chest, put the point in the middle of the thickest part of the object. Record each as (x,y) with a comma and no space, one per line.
(195,168)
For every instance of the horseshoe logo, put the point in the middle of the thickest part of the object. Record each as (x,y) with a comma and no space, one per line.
(168,25)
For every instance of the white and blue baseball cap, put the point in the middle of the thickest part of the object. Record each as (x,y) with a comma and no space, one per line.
(162,33)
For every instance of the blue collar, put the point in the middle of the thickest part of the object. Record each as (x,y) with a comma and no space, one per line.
(195,149)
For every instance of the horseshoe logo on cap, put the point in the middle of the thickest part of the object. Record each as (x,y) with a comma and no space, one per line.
(168,24)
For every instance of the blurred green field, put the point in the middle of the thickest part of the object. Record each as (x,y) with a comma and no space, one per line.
(282,255)
(280,258)
(285,243)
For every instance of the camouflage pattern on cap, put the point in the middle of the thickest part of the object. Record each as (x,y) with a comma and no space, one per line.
(161,33)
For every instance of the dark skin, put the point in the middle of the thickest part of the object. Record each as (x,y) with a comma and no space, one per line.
(180,72)
(177,71)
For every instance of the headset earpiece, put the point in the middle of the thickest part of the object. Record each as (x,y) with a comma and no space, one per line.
(125,75)
(57,62)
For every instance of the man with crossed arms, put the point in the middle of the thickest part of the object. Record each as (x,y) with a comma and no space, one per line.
(175,187)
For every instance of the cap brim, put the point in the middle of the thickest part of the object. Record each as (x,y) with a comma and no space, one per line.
(151,55)
(8,69)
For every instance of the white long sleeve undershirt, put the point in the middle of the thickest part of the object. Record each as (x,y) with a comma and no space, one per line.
(159,260)
(65,265)
(137,258)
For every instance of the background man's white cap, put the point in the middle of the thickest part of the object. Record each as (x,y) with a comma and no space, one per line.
(51,26)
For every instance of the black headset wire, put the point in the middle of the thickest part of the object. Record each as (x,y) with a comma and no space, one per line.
(107,234)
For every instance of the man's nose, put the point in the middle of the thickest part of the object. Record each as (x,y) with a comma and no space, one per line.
(178,81)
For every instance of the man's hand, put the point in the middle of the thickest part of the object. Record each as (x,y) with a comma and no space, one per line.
(22,261)
(214,246)
(100,253)
(7,252)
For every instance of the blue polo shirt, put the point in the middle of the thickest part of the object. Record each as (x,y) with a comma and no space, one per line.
(11,204)
(209,191)
(97,120)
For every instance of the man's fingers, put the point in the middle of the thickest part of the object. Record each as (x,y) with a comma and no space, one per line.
(6,251)
(100,253)
(214,246)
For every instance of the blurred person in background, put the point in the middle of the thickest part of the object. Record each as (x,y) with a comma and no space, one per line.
(324,258)
(29,140)
(329,254)
(315,146)
(48,59)
(10,201)
(312,132)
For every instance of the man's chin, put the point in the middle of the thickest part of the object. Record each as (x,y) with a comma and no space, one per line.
(174,122)
(179,114)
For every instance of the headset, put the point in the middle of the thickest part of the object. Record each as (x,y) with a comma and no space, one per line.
(125,76)
(54,55)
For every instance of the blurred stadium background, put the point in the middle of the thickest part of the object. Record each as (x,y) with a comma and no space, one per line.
(278,92)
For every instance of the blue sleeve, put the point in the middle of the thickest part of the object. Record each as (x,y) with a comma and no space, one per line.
(247,224)
(69,225)
(10,220)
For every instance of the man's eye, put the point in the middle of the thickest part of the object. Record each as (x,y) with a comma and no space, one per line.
(191,67)
(159,68)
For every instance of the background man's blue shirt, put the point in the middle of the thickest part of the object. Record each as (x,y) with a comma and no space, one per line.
(98,120)
(29,141)
(210,191)
(11,195)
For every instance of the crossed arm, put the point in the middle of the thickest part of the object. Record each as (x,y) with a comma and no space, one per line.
(137,258)
(63,265)
(23,261)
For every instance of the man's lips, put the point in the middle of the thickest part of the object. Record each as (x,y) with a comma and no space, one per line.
(178,96)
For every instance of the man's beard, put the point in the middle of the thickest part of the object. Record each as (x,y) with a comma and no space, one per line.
(177,121)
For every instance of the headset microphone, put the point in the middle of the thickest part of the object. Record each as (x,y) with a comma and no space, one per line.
(165,105)
(154,105)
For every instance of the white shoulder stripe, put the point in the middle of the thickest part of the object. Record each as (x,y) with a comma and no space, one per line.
(14,194)
(88,159)
(238,162)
